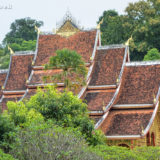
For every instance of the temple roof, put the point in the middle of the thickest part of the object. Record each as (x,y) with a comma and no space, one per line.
(82,42)
(19,71)
(126,122)
(108,64)
(140,84)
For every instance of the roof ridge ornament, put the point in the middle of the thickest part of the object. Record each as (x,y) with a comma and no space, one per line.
(67,26)
(10,49)
(99,24)
(128,41)
(37,30)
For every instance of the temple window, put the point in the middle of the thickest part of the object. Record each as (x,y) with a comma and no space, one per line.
(152,139)
(148,139)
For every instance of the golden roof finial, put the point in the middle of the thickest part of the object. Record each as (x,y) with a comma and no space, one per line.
(127,43)
(142,129)
(104,108)
(37,29)
(10,49)
(154,99)
(99,24)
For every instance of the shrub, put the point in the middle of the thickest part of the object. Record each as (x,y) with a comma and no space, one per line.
(152,54)
(65,110)
(148,153)
(8,133)
(4,156)
(45,143)
(21,115)
(116,153)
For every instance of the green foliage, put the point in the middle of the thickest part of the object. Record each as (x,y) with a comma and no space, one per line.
(141,20)
(21,115)
(113,28)
(65,110)
(116,153)
(148,153)
(22,30)
(152,54)
(72,65)
(22,37)
(7,133)
(46,142)
(4,156)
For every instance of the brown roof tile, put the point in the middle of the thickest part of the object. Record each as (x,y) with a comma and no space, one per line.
(19,72)
(108,64)
(82,42)
(126,122)
(97,100)
(38,76)
(139,84)
(2,80)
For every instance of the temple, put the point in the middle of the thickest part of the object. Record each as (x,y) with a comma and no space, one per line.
(122,96)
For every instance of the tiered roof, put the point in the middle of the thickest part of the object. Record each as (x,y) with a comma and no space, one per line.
(17,75)
(122,97)
(136,104)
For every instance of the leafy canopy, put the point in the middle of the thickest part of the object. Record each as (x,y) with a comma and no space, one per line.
(152,54)
(141,21)
(22,29)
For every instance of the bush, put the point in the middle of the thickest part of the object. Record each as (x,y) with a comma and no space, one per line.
(65,110)
(8,133)
(45,143)
(116,153)
(4,156)
(152,54)
(148,153)
(21,115)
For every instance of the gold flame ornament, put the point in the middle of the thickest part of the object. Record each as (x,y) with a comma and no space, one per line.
(104,108)
(127,43)
(99,24)
(154,99)
(37,29)
(142,130)
(10,50)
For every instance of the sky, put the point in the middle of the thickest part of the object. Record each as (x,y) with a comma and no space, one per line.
(86,12)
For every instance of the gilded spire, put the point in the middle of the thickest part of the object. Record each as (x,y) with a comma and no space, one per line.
(99,24)
(37,29)
(127,43)
(11,51)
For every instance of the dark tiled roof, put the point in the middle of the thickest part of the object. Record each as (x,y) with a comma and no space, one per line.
(2,80)
(108,66)
(126,122)
(82,42)
(19,72)
(38,77)
(139,84)
(97,100)
(30,93)
(95,118)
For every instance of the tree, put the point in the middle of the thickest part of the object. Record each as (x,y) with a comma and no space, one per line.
(50,142)
(22,29)
(73,68)
(152,54)
(141,21)
(4,156)
(8,133)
